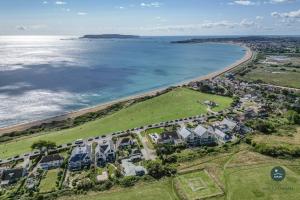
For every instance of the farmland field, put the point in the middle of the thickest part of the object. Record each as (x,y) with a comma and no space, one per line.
(178,103)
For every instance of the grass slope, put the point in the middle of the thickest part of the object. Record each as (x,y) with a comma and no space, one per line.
(178,103)
(161,190)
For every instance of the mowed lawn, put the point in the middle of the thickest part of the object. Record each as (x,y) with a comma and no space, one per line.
(179,103)
(48,183)
(198,185)
(161,190)
(255,182)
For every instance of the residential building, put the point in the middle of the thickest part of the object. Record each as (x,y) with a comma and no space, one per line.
(125,142)
(51,162)
(130,169)
(227,126)
(10,176)
(196,137)
(221,136)
(80,157)
(104,153)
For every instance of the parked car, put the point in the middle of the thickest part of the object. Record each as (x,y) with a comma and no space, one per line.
(79,141)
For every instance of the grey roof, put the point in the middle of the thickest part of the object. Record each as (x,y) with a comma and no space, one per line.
(200,130)
(80,152)
(220,133)
(229,123)
(184,132)
(50,158)
(105,146)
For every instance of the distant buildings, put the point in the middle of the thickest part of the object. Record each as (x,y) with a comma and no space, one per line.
(80,157)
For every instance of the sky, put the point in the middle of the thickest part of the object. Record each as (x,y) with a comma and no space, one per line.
(150,17)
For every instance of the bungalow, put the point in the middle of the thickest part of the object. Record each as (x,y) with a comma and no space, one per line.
(196,137)
(51,162)
(80,157)
(10,176)
(104,152)
(130,169)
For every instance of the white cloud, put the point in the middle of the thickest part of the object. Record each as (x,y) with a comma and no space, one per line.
(259,18)
(81,13)
(45,2)
(292,14)
(243,3)
(288,18)
(281,1)
(60,3)
(152,4)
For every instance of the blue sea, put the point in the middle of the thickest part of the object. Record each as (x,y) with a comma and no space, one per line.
(44,76)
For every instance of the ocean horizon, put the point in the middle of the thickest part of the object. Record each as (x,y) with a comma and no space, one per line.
(46,76)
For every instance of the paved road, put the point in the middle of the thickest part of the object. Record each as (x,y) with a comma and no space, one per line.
(148,151)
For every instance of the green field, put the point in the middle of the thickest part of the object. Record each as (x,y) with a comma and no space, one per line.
(255,183)
(276,74)
(161,190)
(178,103)
(48,183)
(246,175)
(198,185)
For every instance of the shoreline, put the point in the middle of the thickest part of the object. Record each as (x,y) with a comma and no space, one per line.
(73,114)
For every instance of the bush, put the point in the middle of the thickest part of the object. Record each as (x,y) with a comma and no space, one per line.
(157,170)
(128,181)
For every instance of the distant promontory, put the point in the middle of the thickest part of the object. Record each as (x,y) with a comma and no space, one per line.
(110,36)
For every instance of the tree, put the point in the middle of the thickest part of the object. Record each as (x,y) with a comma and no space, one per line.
(157,170)
(43,146)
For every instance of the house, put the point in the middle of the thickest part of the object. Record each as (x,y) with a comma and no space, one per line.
(165,138)
(130,169)
(80,157)
(104,153)
(221,136)
(196,137)
(51,162)
(210,103)
(226,126)
(169,138)
(125,142)
(10,176)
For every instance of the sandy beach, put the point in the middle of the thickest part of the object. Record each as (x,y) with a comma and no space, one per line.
(20,127)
